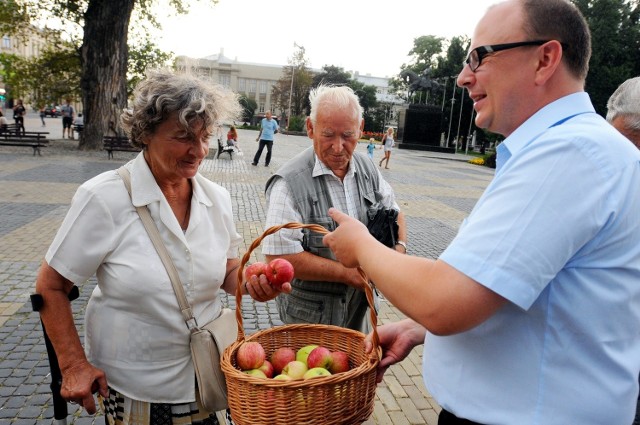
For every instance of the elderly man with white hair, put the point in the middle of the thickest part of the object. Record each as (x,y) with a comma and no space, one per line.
(623,110)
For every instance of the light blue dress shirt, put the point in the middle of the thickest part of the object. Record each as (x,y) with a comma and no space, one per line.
(556,233)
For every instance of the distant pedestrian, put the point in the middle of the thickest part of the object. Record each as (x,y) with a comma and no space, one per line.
(18,115)
(371,147)
(3,122)
(387,143)
(42,116)
(68,113)
(268,128)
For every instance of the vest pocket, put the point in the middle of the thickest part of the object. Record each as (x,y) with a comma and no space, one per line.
(309,308)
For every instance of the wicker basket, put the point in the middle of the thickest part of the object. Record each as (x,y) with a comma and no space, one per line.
(344,398)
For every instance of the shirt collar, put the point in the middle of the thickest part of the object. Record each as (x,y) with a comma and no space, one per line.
(550,115)
(145,190)
(320,169)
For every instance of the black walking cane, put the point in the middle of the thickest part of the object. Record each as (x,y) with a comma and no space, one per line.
(59,404)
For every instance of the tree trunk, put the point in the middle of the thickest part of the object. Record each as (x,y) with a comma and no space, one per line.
(104,54)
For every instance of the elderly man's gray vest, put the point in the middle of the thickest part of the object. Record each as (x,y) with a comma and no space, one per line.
(315,301)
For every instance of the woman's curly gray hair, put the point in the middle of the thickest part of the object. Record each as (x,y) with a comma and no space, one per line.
(164,93)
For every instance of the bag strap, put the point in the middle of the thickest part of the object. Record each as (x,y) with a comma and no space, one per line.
(165,257)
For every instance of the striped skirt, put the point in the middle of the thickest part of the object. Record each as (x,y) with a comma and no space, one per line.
(119,409)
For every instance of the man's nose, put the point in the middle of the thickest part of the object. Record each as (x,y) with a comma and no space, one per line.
(465,77)
(338,144)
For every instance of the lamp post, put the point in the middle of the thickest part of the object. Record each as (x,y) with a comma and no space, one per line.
(293,71)
(290,93)
(453,101)
(460,117)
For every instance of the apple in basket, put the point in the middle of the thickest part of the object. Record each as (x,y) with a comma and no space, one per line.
(278,272)
(303,353)
(255,269)
(267,368)
(283,377)
(319,357)
(281,357)
(255,372)
(316,372)
(339,362)
(295,369)
(250,355)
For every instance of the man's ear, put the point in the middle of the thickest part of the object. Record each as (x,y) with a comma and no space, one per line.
(361,129)
(309,125)
(549,59)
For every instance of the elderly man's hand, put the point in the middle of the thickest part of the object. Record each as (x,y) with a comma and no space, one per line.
(261,290)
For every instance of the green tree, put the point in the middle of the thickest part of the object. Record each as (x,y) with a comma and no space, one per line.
(291,91)
(54,75)
(142,56)
(249,107)
(102,49)
(456,114)
(615,39)
(332,75)
(368,100)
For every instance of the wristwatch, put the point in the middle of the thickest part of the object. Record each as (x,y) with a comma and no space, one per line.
(402,244)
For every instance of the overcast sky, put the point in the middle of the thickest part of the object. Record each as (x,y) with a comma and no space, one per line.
(369,36)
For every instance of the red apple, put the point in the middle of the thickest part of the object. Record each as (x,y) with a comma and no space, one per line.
(250,355)
(281,357)
(295,369)
(279,271)
(316,372)
(303,353)
(319,357)
(255,269)
(267,368)
(339,362)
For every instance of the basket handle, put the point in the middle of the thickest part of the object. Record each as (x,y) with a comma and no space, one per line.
(315,228)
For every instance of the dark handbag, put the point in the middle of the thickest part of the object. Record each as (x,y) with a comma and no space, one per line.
(383,225)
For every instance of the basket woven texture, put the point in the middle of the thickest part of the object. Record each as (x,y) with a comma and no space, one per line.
(343,398)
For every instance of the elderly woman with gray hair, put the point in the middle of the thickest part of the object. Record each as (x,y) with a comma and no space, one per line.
(136,353)
(623,110)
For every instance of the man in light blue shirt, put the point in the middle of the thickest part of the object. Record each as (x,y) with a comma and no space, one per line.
(531,315)
(268,129)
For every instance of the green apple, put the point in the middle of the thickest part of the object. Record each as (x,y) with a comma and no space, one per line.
(283,377)
(295,369)
(255,372)
(303,353)
(316,372)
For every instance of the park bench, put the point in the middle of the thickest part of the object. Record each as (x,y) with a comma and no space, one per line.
(224,149)
(35,140)
(78,129)
(117,143)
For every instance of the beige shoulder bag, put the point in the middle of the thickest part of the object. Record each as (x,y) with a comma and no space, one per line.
(207,342)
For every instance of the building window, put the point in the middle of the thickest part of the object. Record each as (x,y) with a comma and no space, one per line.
(6,42)
(224,80)
(261,107)
(242,84)
(263,86)
(252,86)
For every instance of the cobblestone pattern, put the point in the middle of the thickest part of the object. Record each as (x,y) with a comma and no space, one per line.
(435,193)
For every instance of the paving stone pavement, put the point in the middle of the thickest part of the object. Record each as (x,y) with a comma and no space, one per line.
(436,192)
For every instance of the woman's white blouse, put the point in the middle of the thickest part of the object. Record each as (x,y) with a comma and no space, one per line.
(134,330)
